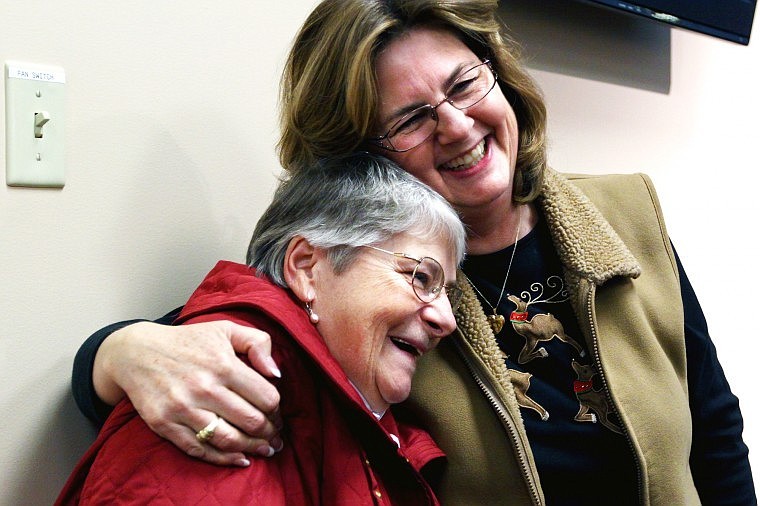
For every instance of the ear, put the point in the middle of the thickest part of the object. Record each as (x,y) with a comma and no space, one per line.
(300,259)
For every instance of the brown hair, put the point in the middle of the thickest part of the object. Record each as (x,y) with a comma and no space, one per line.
(329,93)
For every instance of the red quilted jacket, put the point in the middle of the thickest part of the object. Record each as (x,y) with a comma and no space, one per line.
(335,452)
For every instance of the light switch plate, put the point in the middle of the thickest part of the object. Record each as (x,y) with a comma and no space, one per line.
(34,125)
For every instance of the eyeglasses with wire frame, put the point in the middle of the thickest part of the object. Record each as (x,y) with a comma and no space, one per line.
(416,127)
(427,279)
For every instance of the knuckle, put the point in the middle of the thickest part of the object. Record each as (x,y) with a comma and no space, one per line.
(167,421)
(255,423)
(227,441)
(208,454)
(270,400)
(161,426)
(260,338)
(226,367)
(160,421)
(173,402)
(202,387)
(259,427)
(197,451)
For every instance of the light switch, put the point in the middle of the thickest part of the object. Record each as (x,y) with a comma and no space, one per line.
(34,125)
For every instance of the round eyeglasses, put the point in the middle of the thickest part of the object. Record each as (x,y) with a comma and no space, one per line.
(428,279)
(414,128)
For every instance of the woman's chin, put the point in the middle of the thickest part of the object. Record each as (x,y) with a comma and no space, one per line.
(398,390)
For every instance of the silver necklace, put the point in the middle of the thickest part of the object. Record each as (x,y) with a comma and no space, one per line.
(495,320)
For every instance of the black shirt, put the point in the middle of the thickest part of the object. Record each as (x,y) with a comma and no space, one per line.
(580,462)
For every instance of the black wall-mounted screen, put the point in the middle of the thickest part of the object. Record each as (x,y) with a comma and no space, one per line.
(726,19)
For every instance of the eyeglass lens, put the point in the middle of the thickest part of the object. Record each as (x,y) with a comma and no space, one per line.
(414,128)
(428,281)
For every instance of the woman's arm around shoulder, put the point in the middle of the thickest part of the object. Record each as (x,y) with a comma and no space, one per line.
(179,378)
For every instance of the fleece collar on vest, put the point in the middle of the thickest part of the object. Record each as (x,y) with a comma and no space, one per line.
(585,241)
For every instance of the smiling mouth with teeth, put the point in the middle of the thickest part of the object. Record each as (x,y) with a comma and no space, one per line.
(404,346)
(468,159)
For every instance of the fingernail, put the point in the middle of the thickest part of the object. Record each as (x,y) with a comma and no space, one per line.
(243,462)
(265,451)
(277,443)
(273,367)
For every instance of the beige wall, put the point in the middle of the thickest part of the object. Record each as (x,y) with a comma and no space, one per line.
(171,123)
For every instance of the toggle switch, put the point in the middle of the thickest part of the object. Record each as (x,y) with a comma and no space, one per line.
(40,118)
(34,125)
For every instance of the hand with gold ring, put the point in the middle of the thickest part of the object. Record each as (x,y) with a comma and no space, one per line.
(180,378)
(206,433)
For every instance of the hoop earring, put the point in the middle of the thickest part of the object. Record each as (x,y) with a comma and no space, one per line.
(313,317)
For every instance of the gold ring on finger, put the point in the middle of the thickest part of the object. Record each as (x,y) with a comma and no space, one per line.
(206,433)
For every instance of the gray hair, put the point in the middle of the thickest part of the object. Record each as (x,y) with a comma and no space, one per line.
(342,203)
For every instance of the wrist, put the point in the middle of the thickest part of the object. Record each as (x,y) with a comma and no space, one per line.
(106,365)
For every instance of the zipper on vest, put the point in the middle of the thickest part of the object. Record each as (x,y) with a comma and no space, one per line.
(485,386)
(600,371)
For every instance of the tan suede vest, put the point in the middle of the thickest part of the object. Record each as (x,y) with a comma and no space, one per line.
(620,269)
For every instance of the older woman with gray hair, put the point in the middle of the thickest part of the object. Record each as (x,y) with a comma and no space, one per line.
(352,271)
